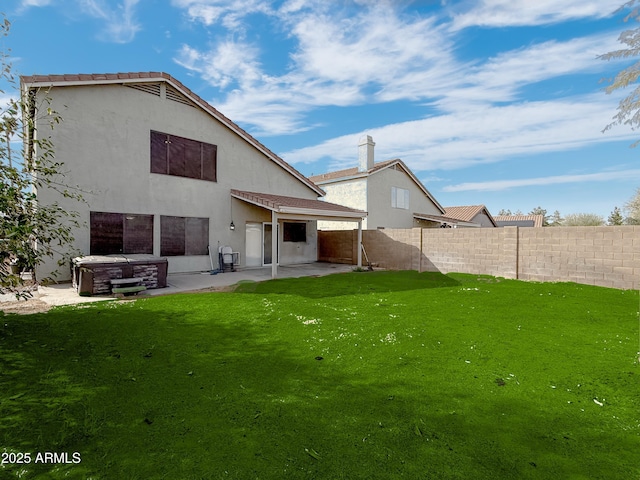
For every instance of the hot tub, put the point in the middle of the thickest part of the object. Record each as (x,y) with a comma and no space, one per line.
(92,274)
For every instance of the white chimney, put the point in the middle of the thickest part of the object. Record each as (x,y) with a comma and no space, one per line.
(365,153)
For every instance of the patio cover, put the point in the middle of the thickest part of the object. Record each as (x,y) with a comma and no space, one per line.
(294,208)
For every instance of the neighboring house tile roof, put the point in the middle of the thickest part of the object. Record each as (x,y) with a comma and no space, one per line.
(520,220)
(443,219)
(468,212)
(283,204)
(354,172)
(46,81)
(351,172)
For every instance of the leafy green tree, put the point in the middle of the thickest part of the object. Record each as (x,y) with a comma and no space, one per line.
(628,107)
(615,218)
(583,220)
(504,212)
(29,231)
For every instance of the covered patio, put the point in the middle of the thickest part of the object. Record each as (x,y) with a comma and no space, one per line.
(293,208)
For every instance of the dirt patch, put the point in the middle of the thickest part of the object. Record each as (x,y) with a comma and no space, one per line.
(25,307)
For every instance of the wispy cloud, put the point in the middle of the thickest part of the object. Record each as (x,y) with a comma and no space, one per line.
(228,13)
(121,25)
(478,134)
(35,3)
(498,185)
(509,13)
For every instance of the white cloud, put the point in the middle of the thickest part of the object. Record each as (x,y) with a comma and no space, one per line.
(478,134)
(36,3)
(229,13)
(508,13)
(120,23)
(229,62)
(499,185)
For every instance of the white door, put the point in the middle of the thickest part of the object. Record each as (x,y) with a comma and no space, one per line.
(253,243)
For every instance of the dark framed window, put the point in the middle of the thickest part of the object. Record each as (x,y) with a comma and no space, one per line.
(182,157)
(120,233)
(183,236)
(294,232)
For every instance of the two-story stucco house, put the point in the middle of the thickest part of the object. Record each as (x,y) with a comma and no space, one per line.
(165,173)
(388,191)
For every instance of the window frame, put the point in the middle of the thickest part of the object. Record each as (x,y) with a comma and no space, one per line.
(400,198)
(120,233)
(183,236)
(294,232)
(183,157)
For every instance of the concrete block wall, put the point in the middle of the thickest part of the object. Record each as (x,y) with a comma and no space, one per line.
(485,251)
(604,256)
(393,249)
(337,246)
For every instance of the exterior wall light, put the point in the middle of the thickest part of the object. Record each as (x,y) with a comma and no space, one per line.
(232,226)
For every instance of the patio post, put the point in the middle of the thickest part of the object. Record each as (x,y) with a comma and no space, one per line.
(274,244)
(360,243)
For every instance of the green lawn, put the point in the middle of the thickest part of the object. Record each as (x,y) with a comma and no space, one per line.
(356,376)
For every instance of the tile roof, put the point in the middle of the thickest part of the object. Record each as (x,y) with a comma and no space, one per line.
(353,172)
(285,204)
(146,77)
(442,219)
(520,220)
(350,172)
(468,212)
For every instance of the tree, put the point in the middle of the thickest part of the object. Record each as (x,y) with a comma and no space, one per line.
(504,212)
(556,219)
(29,231)
(583,220)
(629,107)
(543,212)
(615,218)
(632,209)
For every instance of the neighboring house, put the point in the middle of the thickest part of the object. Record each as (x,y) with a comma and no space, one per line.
(169,175)
(473,215)
(388,191)
(520,220)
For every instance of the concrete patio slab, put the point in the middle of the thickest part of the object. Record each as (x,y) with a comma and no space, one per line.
(65,294)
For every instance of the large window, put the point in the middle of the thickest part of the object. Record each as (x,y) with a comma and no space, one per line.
(184,236)
(120,233)
(172,155)
(400,198)
(294,232)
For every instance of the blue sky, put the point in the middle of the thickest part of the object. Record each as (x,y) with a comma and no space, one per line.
(495,102)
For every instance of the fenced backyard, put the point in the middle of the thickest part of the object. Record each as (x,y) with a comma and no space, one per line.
(372,375)
(602,256)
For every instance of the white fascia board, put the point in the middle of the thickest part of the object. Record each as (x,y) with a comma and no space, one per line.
(321,213)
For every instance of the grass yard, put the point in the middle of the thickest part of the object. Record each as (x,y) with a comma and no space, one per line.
(373,375)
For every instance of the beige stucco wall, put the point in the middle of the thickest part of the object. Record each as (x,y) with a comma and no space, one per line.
(604,256)
(382,214)
(483,220)
(373,195)
(104,143)
(351,193)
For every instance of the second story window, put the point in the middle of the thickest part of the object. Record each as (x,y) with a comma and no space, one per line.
(400,198)
(182,157)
